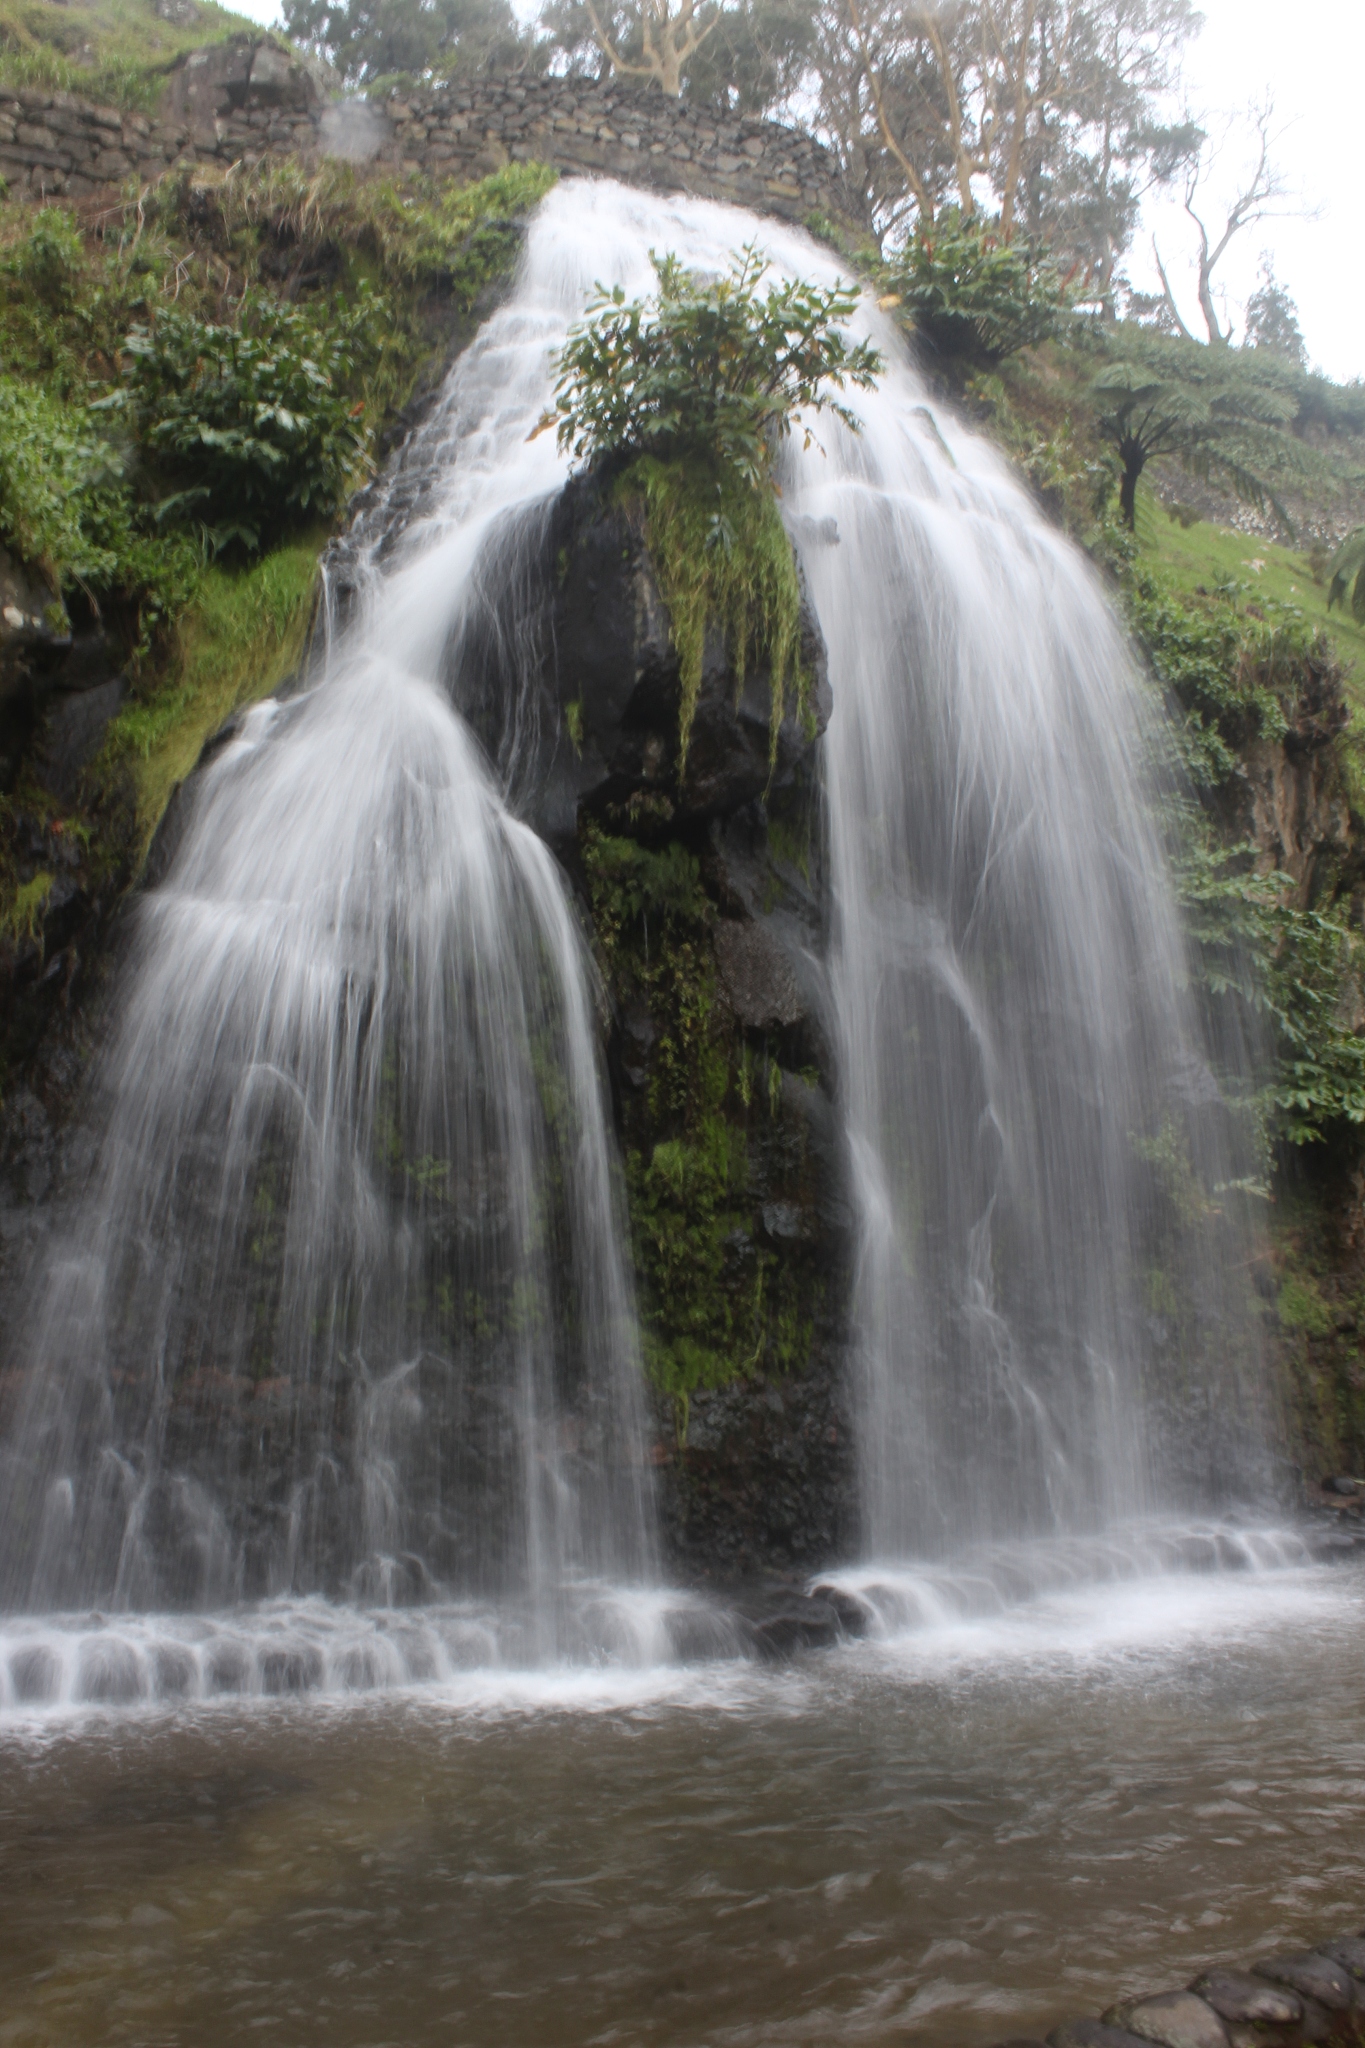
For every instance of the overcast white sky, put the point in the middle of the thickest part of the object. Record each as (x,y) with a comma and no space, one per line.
(1310,55)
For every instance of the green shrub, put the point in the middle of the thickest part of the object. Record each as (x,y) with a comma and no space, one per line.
(692,392)
(254,428)
(49,259)
(707,368)
(66,505)
(1229,672)
(971,295)
(55,469)
(1290,968)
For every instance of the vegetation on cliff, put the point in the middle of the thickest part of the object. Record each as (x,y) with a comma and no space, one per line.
(690,394)
(115,51)
(193,382)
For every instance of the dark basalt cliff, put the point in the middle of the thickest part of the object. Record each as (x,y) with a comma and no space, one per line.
(705,889)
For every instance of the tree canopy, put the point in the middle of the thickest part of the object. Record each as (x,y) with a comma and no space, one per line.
(369,41)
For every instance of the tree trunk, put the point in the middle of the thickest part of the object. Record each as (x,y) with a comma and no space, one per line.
(1134,462)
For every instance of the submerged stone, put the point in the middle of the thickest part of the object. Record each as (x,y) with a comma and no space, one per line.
(1350,1953)
(1087,2033)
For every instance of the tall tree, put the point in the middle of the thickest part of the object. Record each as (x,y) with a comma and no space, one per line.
(370,40)
(652,40)
(1215,411)
(1044,111)
(1259,192)
(750,56)
(1090,164)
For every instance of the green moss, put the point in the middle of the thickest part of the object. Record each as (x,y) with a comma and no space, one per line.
(1300,1306)
(241,636)
(21,918)
(721,554)
(715,1304)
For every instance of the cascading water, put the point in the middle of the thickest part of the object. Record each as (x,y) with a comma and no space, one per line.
(344,1308)
(1027,1105)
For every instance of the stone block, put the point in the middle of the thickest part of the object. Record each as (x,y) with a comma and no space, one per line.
(70,120)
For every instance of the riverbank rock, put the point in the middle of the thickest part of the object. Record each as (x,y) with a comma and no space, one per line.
(1315,1995)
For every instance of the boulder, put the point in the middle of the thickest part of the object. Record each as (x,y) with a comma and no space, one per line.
(1172,2019)
(1350,1953)
(1312,1976)
(1086,2033)
(1248,2001)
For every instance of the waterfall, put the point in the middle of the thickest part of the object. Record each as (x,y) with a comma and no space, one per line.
(344,1306)
(1027,1105)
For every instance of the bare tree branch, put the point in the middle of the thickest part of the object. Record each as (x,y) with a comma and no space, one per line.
(1168,294)
(669,36)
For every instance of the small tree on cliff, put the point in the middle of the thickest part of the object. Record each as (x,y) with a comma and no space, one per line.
(691,392)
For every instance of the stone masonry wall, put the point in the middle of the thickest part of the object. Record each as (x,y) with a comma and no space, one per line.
(642,138)
(244,100)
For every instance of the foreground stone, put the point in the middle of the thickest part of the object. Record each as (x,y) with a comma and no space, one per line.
(1314,1995)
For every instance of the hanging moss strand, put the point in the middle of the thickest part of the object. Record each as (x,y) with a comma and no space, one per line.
(721,552)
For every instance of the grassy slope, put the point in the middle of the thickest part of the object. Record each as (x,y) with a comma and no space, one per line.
(1210,555)
(113,50)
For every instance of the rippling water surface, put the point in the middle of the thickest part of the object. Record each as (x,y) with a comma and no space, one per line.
(953,1833)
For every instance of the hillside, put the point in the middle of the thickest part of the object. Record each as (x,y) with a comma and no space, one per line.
(114,51)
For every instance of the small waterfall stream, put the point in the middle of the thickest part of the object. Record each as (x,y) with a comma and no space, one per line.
(1026,1096)
(344,1308)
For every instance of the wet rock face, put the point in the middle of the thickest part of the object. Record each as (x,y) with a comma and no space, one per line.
(568,672)
(1290,797)
(707,893)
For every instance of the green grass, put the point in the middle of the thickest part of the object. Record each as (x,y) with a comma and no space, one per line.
(1209,556)
(115,51)
(240,638)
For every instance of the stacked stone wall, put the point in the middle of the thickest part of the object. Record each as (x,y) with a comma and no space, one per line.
(244,101)
(53,144)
